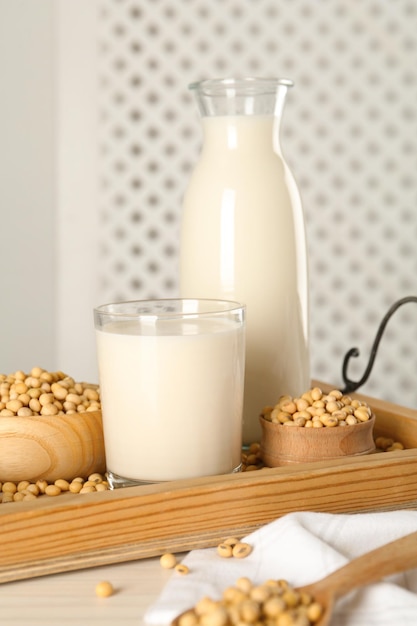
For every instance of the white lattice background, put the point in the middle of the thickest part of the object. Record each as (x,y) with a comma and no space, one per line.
(349,134)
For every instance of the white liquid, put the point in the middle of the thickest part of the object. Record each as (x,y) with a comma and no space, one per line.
(172,403)
(243,239)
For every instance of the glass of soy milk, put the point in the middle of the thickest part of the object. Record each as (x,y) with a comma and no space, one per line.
(171,383)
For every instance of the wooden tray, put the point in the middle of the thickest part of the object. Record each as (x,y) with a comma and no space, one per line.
(80,531)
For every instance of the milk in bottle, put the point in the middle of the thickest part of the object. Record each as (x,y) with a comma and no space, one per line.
(243,236)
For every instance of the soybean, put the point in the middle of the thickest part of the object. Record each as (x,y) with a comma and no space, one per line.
(168,560)
(224,550)
(241,550)
(104,589)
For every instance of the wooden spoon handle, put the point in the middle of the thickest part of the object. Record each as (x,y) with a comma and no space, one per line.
(391,558)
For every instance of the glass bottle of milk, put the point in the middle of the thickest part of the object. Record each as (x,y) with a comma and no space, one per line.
(243,235)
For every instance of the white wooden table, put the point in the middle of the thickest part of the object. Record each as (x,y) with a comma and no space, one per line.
(70,598)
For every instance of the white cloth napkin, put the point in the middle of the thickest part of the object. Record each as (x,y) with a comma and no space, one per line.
(302,548)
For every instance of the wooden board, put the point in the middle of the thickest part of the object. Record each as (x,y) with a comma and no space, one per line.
(80,531)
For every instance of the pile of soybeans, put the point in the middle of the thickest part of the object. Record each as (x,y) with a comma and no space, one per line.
(45,393)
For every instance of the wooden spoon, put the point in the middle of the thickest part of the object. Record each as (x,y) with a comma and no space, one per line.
(396,556)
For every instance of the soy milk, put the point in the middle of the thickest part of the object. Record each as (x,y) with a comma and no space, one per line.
(172,401)
(243,239)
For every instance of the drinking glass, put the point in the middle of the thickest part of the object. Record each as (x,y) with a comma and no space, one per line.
(171,384)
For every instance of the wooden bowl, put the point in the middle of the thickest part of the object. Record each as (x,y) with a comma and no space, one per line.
(284,445)
(51,447)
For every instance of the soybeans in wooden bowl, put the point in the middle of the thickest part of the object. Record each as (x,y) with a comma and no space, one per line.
(50,427)
(316,426)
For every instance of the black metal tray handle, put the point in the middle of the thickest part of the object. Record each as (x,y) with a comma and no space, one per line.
(351,385)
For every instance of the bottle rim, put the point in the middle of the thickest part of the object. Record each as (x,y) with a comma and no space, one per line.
(248,85)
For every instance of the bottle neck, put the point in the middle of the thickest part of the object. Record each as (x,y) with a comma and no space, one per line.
(241,133)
